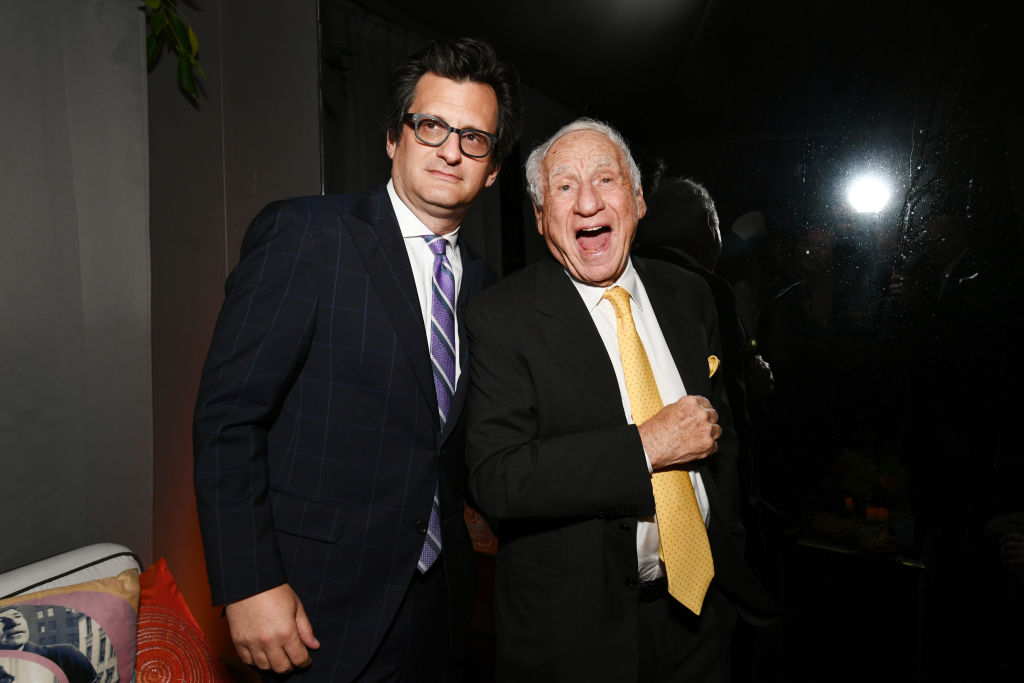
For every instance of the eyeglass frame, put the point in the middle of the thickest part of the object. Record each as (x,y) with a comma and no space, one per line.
(414,120)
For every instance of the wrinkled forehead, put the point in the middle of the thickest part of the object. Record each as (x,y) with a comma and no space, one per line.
(583,152)
(596,164)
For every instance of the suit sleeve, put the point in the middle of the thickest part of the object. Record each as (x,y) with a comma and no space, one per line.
(534,449)
(259,343)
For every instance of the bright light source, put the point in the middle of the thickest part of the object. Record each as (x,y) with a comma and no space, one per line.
(868,194)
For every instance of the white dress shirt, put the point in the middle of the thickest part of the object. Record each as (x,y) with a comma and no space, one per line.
(422,260)
(670,386)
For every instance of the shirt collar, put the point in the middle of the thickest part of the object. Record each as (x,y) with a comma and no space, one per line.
(592,295)
(409,224)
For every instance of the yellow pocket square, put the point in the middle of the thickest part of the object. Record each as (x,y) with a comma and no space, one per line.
(712,365)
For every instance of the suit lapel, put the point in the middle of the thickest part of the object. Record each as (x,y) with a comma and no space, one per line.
(568,330)
(686,341)
(683,334)
(379,241)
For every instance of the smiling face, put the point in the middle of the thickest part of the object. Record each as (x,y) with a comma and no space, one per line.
(13,629)
(590,210)
(439,184)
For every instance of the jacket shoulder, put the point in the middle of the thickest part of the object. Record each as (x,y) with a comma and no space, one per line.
(513,289)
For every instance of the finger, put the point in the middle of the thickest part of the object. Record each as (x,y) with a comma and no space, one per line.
(280,661)
(244,655)
(305,629)
(259,659)
(297,654)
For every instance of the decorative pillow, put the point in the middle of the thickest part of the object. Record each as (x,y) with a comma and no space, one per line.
(172,647)
(71,634)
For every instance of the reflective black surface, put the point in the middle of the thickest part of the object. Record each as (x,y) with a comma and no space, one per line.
(888,462)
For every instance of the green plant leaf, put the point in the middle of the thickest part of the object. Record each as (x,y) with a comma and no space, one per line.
(185,78)
(167,28)
(153,49)
(180,33)
(158,22)
(193,41)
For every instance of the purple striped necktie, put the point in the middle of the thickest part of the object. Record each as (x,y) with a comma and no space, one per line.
(442,358)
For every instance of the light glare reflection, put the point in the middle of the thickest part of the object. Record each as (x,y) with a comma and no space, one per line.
(868,194)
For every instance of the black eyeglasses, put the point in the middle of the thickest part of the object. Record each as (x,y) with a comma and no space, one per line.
(433,131)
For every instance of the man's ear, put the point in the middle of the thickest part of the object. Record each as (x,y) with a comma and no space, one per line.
(492,175)
(390,145)
(538,214)
(641,205)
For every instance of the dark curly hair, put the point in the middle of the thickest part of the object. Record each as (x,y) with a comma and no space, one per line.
(462,59)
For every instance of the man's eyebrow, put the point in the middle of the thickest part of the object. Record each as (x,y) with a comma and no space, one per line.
(560,170)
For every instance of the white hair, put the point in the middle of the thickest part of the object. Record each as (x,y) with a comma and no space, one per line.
(534,181)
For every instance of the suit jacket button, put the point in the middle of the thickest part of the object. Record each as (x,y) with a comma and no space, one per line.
(631,582)
(624,526)
(421,526)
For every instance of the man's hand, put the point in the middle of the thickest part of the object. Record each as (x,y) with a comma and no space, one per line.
(682,432)
(270,630)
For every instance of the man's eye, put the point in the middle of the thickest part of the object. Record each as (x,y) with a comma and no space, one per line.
(429,124)
(470,137)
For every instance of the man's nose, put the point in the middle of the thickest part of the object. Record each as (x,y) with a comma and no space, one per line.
(588,200)
(449,149)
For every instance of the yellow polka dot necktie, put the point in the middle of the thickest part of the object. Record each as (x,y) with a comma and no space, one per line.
(684,543)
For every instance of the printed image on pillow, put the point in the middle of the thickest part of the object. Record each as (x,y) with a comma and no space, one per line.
(26,668)
(73,634)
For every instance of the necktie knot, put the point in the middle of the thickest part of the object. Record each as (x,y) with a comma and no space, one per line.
(619,299)
(437,244)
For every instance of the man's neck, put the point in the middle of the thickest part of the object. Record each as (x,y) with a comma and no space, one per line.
(439,225)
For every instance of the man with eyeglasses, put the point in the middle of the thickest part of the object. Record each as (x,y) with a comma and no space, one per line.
(329,467)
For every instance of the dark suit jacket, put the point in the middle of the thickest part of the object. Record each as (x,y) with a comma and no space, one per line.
(75,665)
(316,429)
(735,364)
(563,477)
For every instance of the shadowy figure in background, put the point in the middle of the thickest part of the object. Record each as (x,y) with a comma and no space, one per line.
(682,227)
(744,264)
(812,346)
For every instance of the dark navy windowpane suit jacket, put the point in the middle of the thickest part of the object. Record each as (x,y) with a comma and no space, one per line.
(316,431)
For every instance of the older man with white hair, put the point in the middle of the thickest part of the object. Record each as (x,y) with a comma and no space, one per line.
(600,442)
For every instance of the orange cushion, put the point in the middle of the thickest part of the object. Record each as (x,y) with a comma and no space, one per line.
(171,646)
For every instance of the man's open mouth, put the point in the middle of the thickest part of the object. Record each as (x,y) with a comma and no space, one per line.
(593,240)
